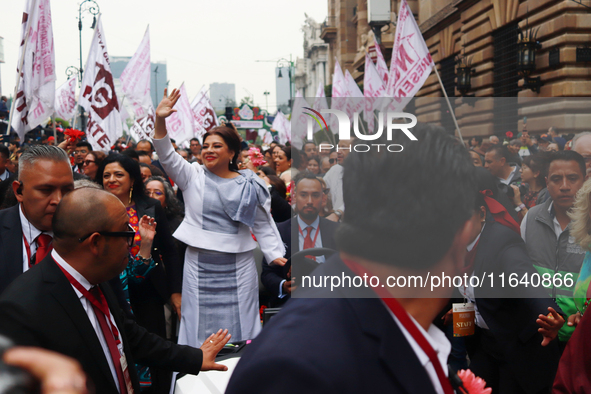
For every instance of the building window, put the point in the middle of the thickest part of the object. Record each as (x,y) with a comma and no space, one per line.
(505,79)
(448,77)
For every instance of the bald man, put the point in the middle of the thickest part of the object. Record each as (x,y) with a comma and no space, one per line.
(63,303)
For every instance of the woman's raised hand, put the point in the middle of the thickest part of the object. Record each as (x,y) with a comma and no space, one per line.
(165,108)
(147,226)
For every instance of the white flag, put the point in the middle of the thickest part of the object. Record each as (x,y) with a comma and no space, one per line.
(299,121)
(204,113)
(354,102)
(180,125)
(124,116)
(283,127)
(381,65)
(34,101)
(65,99)
(135,83)
(411,61)
(373,88)
(98,97)
(320,103)
(340,93)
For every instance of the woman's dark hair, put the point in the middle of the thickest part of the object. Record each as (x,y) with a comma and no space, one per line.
(230,136)
(278,184)
(98,157)
(131,166)
(174,208)
(538,162)
(286,150)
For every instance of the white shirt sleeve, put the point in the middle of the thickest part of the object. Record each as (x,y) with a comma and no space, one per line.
(178,169)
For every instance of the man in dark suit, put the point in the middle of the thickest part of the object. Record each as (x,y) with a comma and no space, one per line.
(64,303)
(309,198)
(394,228)
(45,176)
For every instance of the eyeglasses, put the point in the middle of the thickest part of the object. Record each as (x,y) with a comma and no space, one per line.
(80,152)
(154,192)
(331,161)
(587,159)
(130,235)
(87,162)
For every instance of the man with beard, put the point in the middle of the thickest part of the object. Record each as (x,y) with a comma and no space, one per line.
(311,230)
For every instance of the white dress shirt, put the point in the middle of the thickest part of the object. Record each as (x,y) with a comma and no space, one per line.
(318,244)
(90,313)
(438,342)
(31,233)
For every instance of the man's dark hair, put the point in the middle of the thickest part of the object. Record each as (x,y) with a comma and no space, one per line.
(305,175)
(568,155)
(308,142)
(84,144)
(131,153)
(194,140)
(149,142)
(501,151)
(4,152)
(15,143)
(478,139)
(404,209)
(142,153)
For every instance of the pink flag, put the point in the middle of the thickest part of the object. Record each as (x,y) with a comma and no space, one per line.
(411,61)
(320,103)
(135,83)
(35,96)
(373,88)
(98,97)
(65,99)
(181,124)
(381,65)
(340,92)
(204,113)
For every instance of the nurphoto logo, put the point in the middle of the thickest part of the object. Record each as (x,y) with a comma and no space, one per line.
(345,128)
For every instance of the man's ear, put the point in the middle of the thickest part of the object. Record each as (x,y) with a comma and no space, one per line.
(17,188)
(460,243)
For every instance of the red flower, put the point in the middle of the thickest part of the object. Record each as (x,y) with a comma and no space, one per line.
(509,134)
(74,134)
(256,158)
(472,383)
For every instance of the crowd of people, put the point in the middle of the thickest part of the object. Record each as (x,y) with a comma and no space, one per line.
(163,254)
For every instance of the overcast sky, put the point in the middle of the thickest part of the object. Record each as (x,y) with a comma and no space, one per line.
(201,41)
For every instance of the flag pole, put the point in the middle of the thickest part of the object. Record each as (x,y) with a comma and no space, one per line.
(54,130)
(19,70)
(451,111)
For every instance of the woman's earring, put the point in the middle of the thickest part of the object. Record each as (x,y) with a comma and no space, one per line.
(130,193)
(230,161)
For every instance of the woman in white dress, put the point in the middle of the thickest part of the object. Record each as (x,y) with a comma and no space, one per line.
(222,205)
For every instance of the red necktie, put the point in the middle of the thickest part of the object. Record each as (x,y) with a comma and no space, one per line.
(308,243)
(115,356)
(43,247)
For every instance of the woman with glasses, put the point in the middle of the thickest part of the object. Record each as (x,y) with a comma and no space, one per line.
(121,176)
(91,163)
(222,206)
(159,189)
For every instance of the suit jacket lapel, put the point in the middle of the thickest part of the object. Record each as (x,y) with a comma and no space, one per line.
(66,296)
(11,236)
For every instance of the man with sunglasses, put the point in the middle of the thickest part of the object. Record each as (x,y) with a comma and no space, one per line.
(65,304)
(45,176)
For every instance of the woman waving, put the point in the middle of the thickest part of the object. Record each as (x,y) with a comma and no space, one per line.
(222,206)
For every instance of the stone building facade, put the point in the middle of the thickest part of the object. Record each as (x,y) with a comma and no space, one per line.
(313,69)
(487,33)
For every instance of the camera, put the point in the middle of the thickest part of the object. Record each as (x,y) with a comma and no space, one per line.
(14,380)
